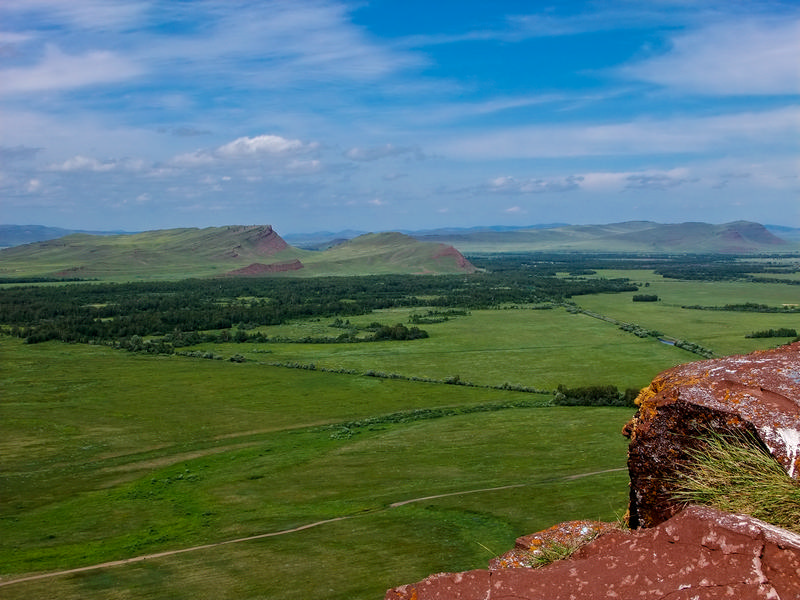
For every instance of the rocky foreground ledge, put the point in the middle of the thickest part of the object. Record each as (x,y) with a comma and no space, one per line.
(671,552)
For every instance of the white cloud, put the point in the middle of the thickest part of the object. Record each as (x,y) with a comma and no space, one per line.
(83,163)
(86,14)
(198,158)
(304,166)
(12,38)
(88,164)
(732,58)
(283,42)
(511,185)
(59,71)
(262,144)
(767,129)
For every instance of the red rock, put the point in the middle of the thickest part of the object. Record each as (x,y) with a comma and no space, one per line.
(471,585)
(461,261)
(571,534)
(261,269)
(758,393)
(699,554)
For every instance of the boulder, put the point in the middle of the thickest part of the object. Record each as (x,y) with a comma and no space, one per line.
(700,553)
(758,393)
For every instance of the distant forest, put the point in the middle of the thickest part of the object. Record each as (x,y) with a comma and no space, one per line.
(103,312)
(183,310)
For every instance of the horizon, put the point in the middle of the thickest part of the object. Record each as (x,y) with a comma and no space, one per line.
(355,232)
(323,115)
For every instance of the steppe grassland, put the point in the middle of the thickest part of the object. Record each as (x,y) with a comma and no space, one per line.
(108,455)
(722,331)
(534,348)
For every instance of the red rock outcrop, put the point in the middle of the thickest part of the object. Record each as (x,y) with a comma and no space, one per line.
(262,269)
(699,554)
(268,242)
(758,393)
(461,261)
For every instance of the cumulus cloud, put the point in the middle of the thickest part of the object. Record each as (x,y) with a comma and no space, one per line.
(60,71)
(262,144)
(742,57)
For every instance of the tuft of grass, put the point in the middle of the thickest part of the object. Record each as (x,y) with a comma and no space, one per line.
(555,551)
(733,472)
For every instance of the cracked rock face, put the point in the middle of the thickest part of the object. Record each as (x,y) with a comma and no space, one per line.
(700,554)
(758,393)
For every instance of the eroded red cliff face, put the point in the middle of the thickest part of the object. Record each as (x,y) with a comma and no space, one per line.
(674,553)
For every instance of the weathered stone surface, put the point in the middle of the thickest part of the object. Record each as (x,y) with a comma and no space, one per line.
(529,548)
(758,393)
(699,554)
(471,585)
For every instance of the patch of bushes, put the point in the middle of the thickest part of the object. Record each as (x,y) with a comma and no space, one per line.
(771,333)
(594,395)
(645,298)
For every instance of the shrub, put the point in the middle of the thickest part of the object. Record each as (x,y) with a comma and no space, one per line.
(771,333)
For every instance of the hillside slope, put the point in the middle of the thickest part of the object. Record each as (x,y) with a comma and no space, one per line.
(232,250)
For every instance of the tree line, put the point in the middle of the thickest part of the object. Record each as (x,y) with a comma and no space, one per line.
(100,312)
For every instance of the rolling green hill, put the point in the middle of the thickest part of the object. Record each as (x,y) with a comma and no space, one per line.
(740,237)
(216,251)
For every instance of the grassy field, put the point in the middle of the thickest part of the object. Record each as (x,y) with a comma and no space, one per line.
(533,348)
(107,455)
(721,331)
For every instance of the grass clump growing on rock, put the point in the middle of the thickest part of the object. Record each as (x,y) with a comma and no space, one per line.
(733,472)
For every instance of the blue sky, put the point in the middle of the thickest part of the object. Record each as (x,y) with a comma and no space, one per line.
(397,114)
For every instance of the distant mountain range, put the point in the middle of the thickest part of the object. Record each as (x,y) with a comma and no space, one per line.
(219,251)
(740,237)
(259,250)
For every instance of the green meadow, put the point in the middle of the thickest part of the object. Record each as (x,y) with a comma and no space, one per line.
(254,480)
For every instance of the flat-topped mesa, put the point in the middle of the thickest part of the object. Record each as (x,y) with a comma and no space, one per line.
(758,393)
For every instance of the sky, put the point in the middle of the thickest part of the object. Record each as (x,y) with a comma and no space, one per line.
(379,115)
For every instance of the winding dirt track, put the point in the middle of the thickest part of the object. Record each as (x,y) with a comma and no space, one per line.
(135,559)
